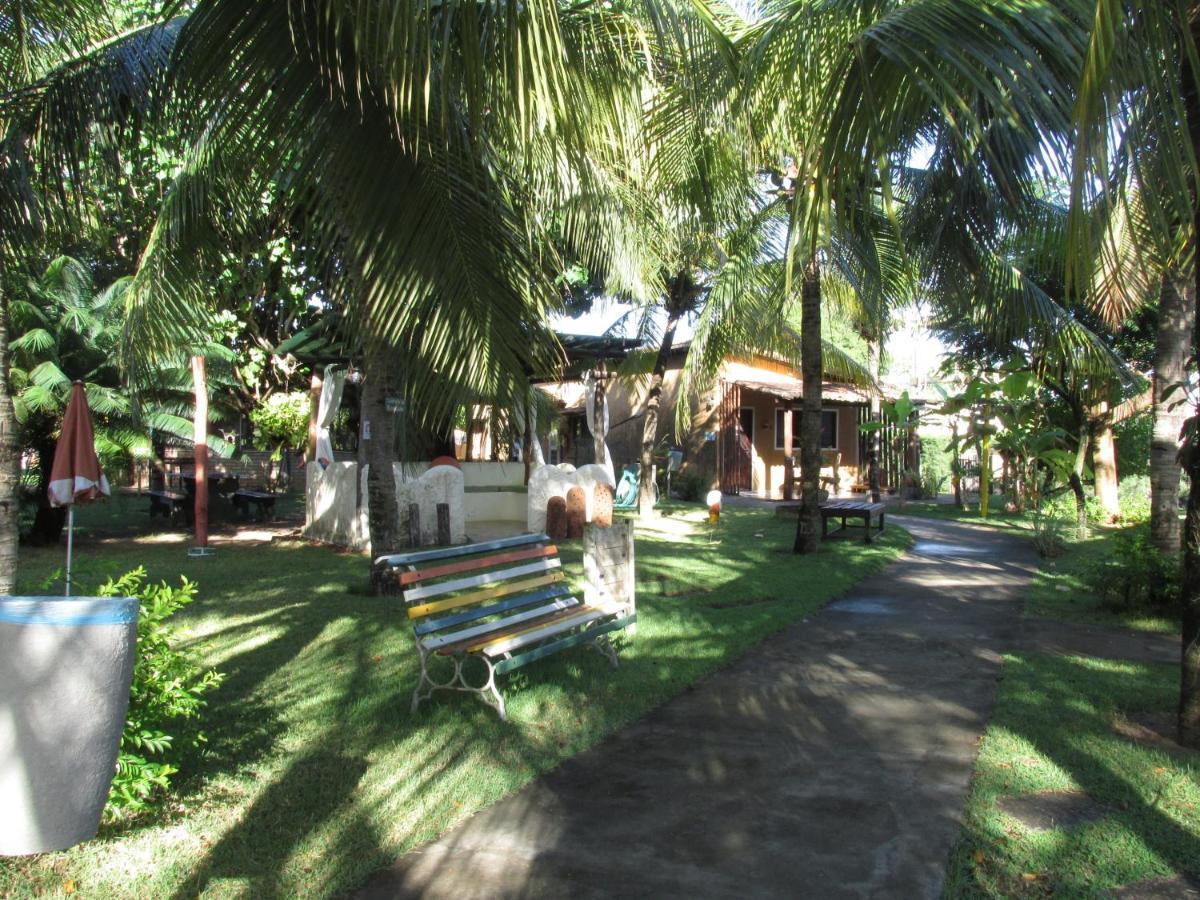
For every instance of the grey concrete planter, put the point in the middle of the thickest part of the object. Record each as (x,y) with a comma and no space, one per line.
(66,665)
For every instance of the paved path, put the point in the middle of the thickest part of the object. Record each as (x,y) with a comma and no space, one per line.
(831,762)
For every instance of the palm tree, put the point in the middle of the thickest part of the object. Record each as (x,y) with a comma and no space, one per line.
(71,84)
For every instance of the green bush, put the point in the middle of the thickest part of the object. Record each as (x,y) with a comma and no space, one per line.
(1048,535)
(1136,575)
(1132,437)
(1062,506)
(688,486)
(936,463)
(1134,494)
(166,699)
(281,421)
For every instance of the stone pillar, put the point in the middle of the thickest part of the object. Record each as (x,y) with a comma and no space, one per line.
(608,565)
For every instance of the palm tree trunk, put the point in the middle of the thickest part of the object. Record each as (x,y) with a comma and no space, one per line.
(1176,319)
(808,524)
(1076,482)
(1189,675)
(10,467)
(200,451)
(1104,464)
(379,438)
(650,417)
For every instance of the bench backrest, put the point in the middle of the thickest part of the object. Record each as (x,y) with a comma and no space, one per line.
(450,588)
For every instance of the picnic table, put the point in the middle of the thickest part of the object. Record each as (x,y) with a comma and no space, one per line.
(850,509)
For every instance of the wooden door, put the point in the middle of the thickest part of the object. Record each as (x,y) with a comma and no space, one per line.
(737,427)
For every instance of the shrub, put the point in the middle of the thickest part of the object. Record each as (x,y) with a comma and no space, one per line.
(281,421)
(936,462)
(1136,574)
(688,486)
(1134,494)
(1048,535)
(166,699)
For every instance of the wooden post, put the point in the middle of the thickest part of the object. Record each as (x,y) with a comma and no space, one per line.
(200,451)
(414,525)
(789,475)
(576,512)
(443,524)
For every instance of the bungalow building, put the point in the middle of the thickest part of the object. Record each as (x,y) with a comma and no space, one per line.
(736,430)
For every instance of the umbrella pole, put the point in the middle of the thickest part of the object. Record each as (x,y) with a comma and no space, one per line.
(70,544)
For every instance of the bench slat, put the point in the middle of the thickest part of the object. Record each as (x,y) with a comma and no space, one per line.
(470,565)
(420,556)
(515,662)
(446,587)
(506,643)
(467,636)
(557,587)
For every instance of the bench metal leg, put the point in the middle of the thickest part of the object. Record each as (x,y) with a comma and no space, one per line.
(604,647)
(488,692)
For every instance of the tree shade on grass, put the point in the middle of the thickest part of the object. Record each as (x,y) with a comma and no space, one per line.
(1062,590)
(1052,730)
(315,774)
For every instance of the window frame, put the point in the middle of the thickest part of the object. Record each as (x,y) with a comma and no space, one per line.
(836,427)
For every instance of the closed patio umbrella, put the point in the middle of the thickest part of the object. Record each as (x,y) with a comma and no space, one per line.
(76,476)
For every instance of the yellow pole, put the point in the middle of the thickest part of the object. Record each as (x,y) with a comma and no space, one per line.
(985,475)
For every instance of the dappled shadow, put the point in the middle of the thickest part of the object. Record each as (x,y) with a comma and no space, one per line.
(832,760)
(1063,710)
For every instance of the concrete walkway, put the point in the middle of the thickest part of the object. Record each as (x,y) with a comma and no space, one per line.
(831,762)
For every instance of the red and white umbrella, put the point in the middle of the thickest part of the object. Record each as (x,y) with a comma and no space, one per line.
(76,476)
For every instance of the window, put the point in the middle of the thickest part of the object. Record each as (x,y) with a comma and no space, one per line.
(829,429)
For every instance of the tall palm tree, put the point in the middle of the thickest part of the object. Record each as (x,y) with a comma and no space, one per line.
(72,87)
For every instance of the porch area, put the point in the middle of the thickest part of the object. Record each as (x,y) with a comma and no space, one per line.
(759,416)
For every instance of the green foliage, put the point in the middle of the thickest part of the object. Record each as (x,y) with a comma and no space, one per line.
(1135,575)
(1048,535)
(167,697)
(1132,437)
(1134,494)
(936,463)
(688,486)
(281,421)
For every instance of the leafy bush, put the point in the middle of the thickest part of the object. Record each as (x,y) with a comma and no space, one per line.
(1062,506)
(166,699)
(1048,535)
(688,486)
(1133,443)
(281,421)
(936,463)
(1136,575)
(1134,494)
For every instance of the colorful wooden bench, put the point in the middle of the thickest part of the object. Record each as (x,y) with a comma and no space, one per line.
(505,603)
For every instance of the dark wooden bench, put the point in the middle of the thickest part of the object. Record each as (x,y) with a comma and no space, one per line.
(505,603)
(169,504)
(262,501)
(851,509)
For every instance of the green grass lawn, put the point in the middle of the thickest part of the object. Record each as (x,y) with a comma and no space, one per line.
(997,517)
(1052,731)
(1060,590)
(315,773)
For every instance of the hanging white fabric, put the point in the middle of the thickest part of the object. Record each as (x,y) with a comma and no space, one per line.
(327,409)
(599,421)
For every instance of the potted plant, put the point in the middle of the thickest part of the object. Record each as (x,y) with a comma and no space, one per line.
(66,664)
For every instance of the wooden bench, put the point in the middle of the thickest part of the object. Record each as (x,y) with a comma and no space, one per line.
(851,509)
(505,603)
(262,501)
(169,504)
